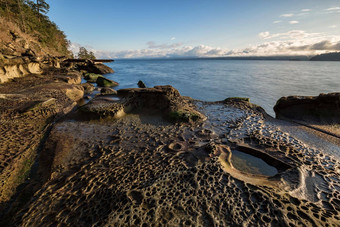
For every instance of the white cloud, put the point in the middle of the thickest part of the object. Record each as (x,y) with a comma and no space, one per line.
(173,38)
(306,10)
(293,34)
(293,22)
(153,45)
(294,42)
(277,21)
(332,26)
(333,9)
(290,47)
(287,15)
(184,51)
(264,35)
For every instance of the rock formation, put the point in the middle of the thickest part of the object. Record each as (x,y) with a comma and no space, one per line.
(164,100)
(93,67)
(323,108)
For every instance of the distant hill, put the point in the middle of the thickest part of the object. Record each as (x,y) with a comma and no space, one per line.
(26,30)
(327,57)
(267,58)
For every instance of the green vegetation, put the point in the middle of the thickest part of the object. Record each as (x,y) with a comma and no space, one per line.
(85,54)
(183,116)
(237,99)
(30,17)
(91,77)
(25,170)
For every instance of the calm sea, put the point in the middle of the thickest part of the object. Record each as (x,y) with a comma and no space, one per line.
(264,82)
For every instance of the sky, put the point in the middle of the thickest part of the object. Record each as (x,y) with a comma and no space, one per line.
(197,28)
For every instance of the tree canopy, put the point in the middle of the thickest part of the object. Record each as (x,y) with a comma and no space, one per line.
(40,6)
(85,54)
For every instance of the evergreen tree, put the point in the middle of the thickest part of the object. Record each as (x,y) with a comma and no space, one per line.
(85,54)
(40,6)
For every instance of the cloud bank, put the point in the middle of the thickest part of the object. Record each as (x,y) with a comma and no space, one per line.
(294,42)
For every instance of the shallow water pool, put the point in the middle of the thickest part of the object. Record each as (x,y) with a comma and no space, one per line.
(251,164)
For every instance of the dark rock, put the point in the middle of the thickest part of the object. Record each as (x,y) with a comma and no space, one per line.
(236,99)
(104,82)
(322,108)
(88,87)
(141,84)
(91,77)
(108,91)
(96,68)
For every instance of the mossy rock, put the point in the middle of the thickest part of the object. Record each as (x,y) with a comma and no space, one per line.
(104,82)
(237,99)
(183,116)
(92,77)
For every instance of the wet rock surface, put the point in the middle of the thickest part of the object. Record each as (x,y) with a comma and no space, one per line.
(141,170)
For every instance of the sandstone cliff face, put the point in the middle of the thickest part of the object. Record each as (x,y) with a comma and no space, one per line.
(12,71)
(13,67)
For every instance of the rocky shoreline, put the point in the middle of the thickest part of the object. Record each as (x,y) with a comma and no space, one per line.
(149,156)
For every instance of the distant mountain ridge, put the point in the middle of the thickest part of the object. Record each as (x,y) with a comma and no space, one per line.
(327,57)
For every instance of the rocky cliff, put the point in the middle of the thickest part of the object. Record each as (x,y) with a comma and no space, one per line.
(15,66)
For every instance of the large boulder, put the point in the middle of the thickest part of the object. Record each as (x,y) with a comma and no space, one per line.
(323,108)
(104,82)
(141,84)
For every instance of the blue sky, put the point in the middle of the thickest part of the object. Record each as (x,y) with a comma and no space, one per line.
(151,28)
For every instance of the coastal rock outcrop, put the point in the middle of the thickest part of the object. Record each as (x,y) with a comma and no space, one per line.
(18,66)
(165,99)
(324,108)
(92,67)
(8,72)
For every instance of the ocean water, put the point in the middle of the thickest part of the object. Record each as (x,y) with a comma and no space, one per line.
(264,82)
